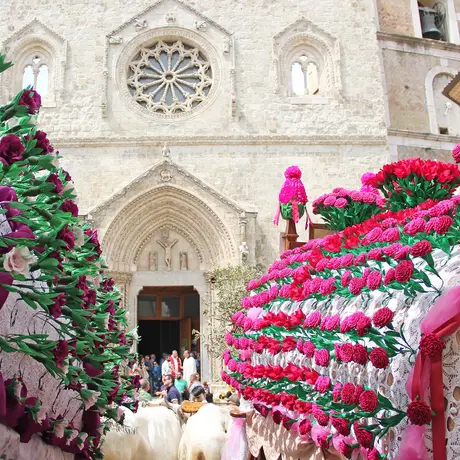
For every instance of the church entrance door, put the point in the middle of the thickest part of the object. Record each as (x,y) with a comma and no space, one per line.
(166,318)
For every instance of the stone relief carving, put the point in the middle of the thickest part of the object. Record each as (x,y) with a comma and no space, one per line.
(153,261)
(170,17)
(117,40)
(165,175)
(244,250)
(167,246)
(226,45)
(140,24)
(183,261)
(201,25)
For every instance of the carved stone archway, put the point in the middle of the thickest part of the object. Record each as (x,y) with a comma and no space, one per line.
(170,208)
(167,198)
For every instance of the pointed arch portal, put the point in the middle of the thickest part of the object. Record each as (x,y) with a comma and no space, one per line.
(167,208)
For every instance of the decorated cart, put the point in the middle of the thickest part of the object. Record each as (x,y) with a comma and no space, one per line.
(348,346)
(63,338)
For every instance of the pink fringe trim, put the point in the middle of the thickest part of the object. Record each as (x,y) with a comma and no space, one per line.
(276,219)
(295,211)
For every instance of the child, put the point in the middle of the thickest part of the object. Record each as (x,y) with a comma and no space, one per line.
(156,376)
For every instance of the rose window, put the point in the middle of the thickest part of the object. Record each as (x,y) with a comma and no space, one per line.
(169,77)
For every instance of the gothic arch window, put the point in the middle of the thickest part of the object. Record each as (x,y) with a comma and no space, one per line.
(304,77)
(36,73)
(443,114)
(307,64)
(40,57)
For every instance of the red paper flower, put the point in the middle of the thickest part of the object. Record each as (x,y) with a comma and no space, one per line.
(323,384)
(404,271)
(336,392)
(322,357)
(431,345)
(61,352)
(443,224)
(358,390)
(379,358)
(419,413)
(456,153)
(368,401)
(31,99)
(304,427)
(277,416)
(382,317)
(389,277)
(341,425)
(373,454)
(346,352)
(321,417)
(360,355)
(348,393)
(363,325)
(374,280)
(356,286)
(420,249)
(364,437)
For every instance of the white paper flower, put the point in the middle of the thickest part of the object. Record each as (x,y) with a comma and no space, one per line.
(18,261)
(79,236)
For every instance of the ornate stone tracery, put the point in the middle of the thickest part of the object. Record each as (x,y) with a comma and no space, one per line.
(169,77)
(163,208)
(303,38)
(182,91)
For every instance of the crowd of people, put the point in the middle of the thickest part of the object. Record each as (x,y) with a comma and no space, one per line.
(173,379)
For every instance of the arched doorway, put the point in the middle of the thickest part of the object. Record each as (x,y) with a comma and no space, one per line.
(167,229)
(167,317)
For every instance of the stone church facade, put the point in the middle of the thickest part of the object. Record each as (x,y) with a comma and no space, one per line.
(177,119)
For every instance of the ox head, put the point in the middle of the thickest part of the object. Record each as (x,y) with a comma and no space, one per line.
(176,408)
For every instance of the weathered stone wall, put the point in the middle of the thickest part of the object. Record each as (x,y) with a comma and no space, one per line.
(406,93)
(395,17)
(241,156)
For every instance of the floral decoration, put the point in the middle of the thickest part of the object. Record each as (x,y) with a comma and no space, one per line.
(284,340)
(52,262)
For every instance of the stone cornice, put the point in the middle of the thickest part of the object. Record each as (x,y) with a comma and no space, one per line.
(158,3)
(418,42)
(425,136)
(215,140)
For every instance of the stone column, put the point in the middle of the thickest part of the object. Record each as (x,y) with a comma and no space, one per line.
(123,283)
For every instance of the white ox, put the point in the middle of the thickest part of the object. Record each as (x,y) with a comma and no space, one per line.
(205,434)
(124,442)
(152,433)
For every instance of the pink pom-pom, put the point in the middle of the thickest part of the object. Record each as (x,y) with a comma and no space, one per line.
(456,153)
(293,172)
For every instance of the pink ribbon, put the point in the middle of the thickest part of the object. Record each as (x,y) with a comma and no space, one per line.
(443,319)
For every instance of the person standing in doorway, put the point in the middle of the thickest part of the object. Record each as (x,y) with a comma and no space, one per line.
(189,366)
(197,362)
(175,363)
(156,374)
(166,366)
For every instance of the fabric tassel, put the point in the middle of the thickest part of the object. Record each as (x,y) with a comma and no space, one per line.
(276,219)
(295,211)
